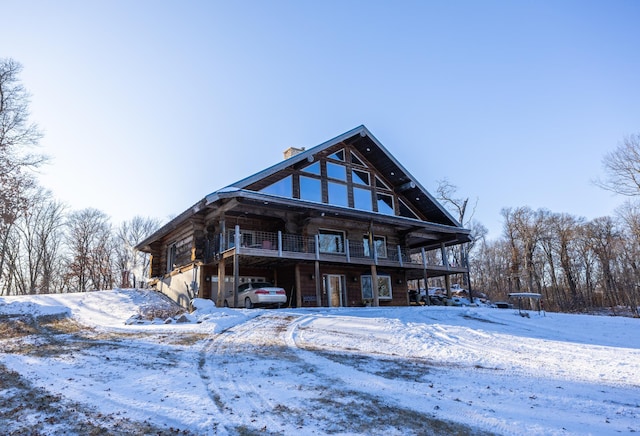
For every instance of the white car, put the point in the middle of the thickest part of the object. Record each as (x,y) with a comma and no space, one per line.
(258,294)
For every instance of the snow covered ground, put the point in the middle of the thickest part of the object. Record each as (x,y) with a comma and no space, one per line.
(108,369)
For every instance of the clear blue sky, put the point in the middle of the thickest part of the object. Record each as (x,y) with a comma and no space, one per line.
(147,106)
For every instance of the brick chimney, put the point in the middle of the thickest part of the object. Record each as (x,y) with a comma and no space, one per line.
(292,151)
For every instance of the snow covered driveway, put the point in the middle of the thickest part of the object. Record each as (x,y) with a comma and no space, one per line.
(391,371)
(262,379)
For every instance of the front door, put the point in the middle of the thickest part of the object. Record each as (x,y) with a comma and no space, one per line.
(333,289)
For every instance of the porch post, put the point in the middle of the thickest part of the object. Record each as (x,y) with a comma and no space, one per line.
(468,273)
(298,286)
(374,285)
(279,243)
(443,253)
(424,274)
(346,249)
(221,287)
(236,267)
(318,289)
(223,235)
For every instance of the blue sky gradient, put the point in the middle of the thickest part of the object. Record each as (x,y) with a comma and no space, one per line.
(147,106)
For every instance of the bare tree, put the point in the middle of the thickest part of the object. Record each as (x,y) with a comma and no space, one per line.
(91,251)
(133,264)
(623,168)
(17,136)
(35,248)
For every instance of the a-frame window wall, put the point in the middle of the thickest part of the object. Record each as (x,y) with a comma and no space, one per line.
(341,179)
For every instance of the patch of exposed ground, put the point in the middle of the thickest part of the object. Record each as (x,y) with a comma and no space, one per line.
(32,411)
(26,409)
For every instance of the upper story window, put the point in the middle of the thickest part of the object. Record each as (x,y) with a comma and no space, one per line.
(282,187)
(380,246)
(355,160)
(338,155)
(385,203)
(331,241)
(360,177)
(337,193)
(336,171)
(310,189)
(341,179)
(381,184)
(314,168)
(362,198)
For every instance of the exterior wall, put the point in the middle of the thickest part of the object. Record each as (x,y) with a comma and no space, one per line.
(181,285)
(352,283)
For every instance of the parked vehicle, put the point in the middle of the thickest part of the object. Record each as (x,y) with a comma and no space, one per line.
(257,294)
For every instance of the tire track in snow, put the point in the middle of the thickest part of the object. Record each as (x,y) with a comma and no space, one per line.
(262,381)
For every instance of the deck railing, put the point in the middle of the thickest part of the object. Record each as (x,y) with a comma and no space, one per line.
(278,244)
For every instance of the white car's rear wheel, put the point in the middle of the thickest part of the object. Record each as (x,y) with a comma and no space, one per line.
(247,303)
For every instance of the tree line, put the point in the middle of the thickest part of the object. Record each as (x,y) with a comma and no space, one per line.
(575,264)
(44,248)
(48,249)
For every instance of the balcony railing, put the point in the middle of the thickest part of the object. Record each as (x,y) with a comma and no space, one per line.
(285,245)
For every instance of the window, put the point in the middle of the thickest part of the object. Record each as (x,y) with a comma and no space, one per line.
(362,199)
(314,168)
(171,257)
(384,288)
(355,160)
(282,188)
(381,184)
(338,194)
(310,189)
(379,243)
(385,204)
(336,171)
(331,241)
(360,177)
(338,155)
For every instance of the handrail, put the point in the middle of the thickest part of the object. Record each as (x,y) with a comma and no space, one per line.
(278,244)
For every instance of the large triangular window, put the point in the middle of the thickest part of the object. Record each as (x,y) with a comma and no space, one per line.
(338,155)
(283,188)
(355,160)
(314,168)
(381,184)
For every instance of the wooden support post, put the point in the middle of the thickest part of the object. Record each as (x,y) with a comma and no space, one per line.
(298,286)
(318,283)
(443,253)
(279,243)
(346,250)
(236,266)
(374,286)
(223,235)
(221,287)
(424,275)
